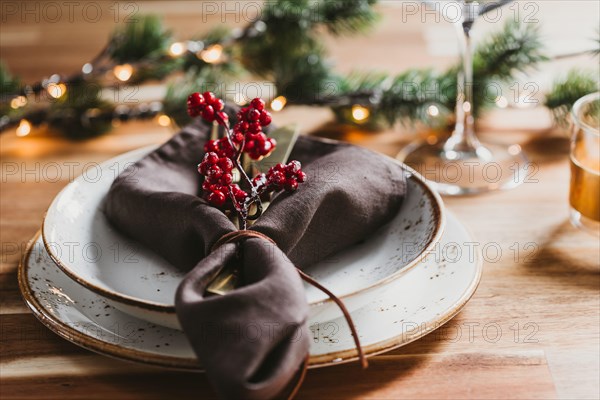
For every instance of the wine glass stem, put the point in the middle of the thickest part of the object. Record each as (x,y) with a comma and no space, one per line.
(463,138)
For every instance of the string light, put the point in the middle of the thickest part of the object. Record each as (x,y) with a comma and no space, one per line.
(123,72)
(466,106)
(163,120)
(17,102)
(87,68)
(278,103)
(212,54)
(24,128)
(176,49)
(433,111)
(56,90)
(360,113)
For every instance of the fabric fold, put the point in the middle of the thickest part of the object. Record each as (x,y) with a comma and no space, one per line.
(252,340)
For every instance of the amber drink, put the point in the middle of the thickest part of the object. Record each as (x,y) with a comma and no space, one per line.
(584,193)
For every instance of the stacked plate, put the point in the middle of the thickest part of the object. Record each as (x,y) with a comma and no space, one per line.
(97,288)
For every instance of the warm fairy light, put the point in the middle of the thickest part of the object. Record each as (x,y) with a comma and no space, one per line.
(278,103)
(212,54)
(360,113)
(123,72)
(56,90)
(432,139)
(176,49)
(433,111)
(501,102)
(163,120)
(514,149)
(466,106)
(87,68)
(24,128)
(18,102)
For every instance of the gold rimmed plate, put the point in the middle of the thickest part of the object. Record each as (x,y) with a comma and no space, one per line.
(415,304)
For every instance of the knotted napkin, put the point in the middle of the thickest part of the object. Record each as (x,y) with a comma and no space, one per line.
(253,340)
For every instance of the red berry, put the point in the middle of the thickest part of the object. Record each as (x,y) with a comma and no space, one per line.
(293,166)
(253,114)
(279,167)
(265,118)
(212,158)
(249,146)
(225,147)
(211,145)
(195,103)
(218,104)
(301,176)
(215,172)
(238,138)
(227,178)
(217,198)
(291,185)
(239,194)
(223,116)
(195,100)
(226,164)
(241,115)
(267,147)
(254,127)
(203,167)
(208,113)
(259,180)
(276,178)
(209,97)
(258,103)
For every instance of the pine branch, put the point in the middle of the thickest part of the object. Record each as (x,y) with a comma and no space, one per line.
(344,17)
(8,83)
(141,39)
(412,92)
(566,91)
(496,60)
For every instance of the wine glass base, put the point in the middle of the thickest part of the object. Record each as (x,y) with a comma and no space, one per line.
(488,167)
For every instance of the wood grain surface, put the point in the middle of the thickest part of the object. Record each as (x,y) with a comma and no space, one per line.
(531,331)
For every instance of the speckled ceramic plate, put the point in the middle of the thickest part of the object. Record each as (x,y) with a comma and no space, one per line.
(415,304)
(134,279)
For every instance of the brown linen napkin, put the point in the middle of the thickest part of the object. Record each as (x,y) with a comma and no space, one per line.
(252,341)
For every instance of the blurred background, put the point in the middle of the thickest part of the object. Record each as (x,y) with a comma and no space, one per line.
(39,39)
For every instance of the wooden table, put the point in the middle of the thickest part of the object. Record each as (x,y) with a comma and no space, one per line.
(530,331)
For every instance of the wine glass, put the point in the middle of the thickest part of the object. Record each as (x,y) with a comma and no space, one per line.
(462,164)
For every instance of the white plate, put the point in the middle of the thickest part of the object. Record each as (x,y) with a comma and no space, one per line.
(132,278)
(417,303)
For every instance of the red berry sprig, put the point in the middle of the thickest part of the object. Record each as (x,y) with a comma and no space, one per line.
(285,176)
(223,155)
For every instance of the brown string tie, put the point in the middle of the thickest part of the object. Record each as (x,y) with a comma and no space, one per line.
(237,236)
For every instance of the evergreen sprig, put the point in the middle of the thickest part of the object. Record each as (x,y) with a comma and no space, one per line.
(143,38)
(407,96)
(566,90)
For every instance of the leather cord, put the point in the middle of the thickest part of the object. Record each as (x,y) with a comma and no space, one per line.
(240,235)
